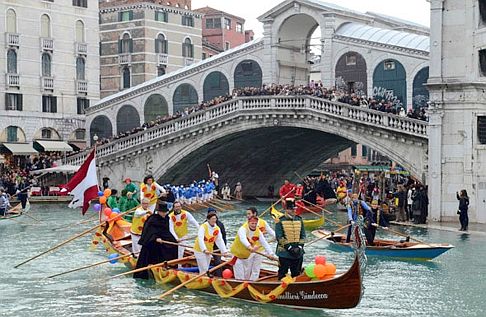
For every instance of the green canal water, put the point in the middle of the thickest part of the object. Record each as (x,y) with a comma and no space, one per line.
(452,285)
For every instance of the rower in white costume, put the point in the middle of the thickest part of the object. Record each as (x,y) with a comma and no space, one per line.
(139,217)
(209,234)
(151,190)
(178,225)
(264,227)
(249,240)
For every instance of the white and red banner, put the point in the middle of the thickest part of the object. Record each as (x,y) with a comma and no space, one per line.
(84,184)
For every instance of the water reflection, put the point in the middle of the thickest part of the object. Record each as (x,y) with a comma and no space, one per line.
(451,285)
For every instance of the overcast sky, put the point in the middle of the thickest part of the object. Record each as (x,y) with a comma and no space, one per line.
(412,10)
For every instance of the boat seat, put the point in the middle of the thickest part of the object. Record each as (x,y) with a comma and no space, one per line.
(54,191)
(36,191)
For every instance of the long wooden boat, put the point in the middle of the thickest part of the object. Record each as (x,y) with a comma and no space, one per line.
(388,248)
(338,292)
(309,224)
(14,212)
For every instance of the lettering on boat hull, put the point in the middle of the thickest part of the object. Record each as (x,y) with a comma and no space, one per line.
(303,295)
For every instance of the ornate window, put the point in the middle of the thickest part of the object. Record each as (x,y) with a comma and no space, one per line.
(80,68)
(46,65)
(161,44)
(12,61)
(45,26)
(126,77)
(187,48)
(11,21)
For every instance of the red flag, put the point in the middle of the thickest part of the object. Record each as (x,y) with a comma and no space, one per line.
(84,184)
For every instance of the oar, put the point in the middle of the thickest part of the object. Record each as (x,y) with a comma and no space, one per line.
(185,246)
(148,267)
(91,218)
(69,240)
(272,205)
(324,210)
(91,265)
(32,217)
(59,245)
(327,235)
(194,278)
(403,235)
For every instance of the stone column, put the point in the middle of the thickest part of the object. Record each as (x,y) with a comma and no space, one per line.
(269,55)
(434,176)
(327,32)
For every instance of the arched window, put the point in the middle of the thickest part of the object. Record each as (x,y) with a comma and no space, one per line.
(80,68)
(12,135)
(46,133)
(11,21)
(46,65)
(126,77)
(187,48)
(161,44)
(125,44)
(45,26)
(80,31)
(12,62)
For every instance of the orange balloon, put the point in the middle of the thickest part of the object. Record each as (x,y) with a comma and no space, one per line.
(102,200)
(330,269)
(319,270)
(107,192)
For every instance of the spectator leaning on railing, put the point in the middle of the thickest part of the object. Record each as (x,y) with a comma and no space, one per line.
(315,89)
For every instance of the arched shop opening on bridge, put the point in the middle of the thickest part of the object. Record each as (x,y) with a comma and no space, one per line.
(155,106)
(100,127)
(248,73)
(420,91)
(215,85)
(127,119)
(390,82)
(351,73)
(185,96)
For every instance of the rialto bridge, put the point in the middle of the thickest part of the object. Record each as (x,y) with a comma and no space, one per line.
(257,140)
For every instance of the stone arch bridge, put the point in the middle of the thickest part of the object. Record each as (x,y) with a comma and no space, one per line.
(269,137)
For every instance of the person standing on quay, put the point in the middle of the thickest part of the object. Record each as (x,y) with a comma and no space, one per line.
(463,207)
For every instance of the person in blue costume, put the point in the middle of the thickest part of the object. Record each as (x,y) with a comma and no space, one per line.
(355,209)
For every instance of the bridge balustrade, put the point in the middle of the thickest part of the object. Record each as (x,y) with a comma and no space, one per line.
(248,105)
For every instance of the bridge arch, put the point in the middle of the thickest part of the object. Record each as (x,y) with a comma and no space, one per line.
(184,96)
(155,106)
(248,73)
(420,91)
(293,29)
(248,138)
(215,85)
(127,118)
(101,127)
(390,82)
(351,73)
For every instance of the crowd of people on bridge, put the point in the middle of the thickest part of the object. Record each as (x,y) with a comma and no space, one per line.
(315,89)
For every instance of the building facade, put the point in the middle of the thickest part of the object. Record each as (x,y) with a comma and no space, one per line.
(457,113)
(141,40)
(221,31)
(50,67)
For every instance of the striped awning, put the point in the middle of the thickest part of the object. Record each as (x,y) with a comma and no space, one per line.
(20,148)
(53,146)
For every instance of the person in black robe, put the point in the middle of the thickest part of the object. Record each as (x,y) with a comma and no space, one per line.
(155,229)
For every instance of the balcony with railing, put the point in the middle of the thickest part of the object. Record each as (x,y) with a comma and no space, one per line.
(13,80)
(163,58)
(188,61)
(125,58)
(81,48)
(47,83)
(12,39)
(47,44)
(81,86)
